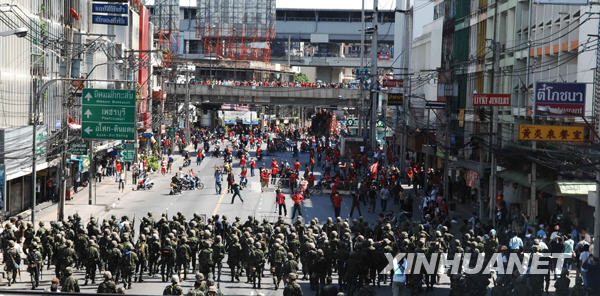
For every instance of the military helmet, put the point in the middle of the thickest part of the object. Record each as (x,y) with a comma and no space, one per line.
(107,275)
(293,276)
(174,279)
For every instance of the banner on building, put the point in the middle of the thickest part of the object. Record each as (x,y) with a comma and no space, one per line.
(566,99)
(554,133)
(562,2)
(491,100)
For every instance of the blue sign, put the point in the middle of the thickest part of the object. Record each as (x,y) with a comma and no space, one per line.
(435,105)
(110,8)
(109,20)
(113,1)
(566,99)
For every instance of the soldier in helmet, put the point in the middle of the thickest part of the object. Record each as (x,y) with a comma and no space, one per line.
(193,243)
(256,263)
(184,254)
(154,253)
(234,253)
(92,261)
(113,260)
(142,253)
(196,291)
(279,257)
(34,264)
(218,250)
(69,284)
(129,262)
(167,260)
(107,286)
(173,288)
(205,258)
(292,289)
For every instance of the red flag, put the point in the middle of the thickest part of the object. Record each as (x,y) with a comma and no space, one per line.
(373,168)
(73,124)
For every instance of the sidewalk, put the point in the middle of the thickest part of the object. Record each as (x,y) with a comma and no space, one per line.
(107,197)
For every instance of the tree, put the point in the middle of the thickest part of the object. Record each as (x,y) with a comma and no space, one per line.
(301,77)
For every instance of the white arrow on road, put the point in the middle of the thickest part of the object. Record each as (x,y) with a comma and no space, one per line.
(88,96)
(88,130)
(88,113)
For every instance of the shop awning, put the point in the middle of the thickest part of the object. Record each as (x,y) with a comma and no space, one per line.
(521,178)
(568,188)
(556,188)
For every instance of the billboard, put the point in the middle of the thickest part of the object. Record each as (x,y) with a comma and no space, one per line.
(562,2)
(491,100)
(554,133)
(567,99)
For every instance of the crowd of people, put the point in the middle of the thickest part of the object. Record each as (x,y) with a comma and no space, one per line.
(276,83)
(352,250)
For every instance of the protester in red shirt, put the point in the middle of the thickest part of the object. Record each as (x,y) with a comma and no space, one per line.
(274,173)
(280,200)
(297,165)
(243,161)
(337,204)
(252,167)
(297,198)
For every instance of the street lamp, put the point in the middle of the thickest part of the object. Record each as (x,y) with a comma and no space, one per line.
(19,32)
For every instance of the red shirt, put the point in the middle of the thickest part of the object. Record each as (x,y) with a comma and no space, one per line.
(258,151)
(273,163)
(243,161)
(253,163)
(275,170)
(311,180)
(243,173)
(297,198)
(280,198)
(297,165)
(337,201)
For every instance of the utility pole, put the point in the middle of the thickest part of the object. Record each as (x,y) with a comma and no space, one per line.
(374,81)
(493,121)
(66,104)
(402,27)
(187,105)
(532,203)
(361,111)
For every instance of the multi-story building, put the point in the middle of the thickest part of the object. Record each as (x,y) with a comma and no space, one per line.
(501,47)
(62,41)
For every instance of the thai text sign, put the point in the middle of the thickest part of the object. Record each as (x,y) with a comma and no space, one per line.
(491,100)
(560,98)
(556,133)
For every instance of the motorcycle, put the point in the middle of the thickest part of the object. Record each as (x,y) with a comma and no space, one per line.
(144,184)
(175,188)
(187,162)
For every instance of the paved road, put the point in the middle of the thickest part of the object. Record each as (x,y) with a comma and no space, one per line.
(256,203)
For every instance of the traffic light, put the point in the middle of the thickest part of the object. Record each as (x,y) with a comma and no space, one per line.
(362,73)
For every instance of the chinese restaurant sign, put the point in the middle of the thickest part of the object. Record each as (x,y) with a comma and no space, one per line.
(556,133)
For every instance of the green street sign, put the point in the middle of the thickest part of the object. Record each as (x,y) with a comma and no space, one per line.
(125,146)
(380,123)
(108,114)
(79,149)
(126,155)
(351,122)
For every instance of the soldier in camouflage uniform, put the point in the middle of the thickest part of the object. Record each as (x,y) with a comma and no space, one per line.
(173,288)
(292,289)
(167,260)
(114,258)
(205,258)
(279,257)
(234,253)
(142,253)
(34,264)
(107,286)
(128,263)
(154,254)
(92,261)
(184,254)
(218,251)
(256,263)
(69,284)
